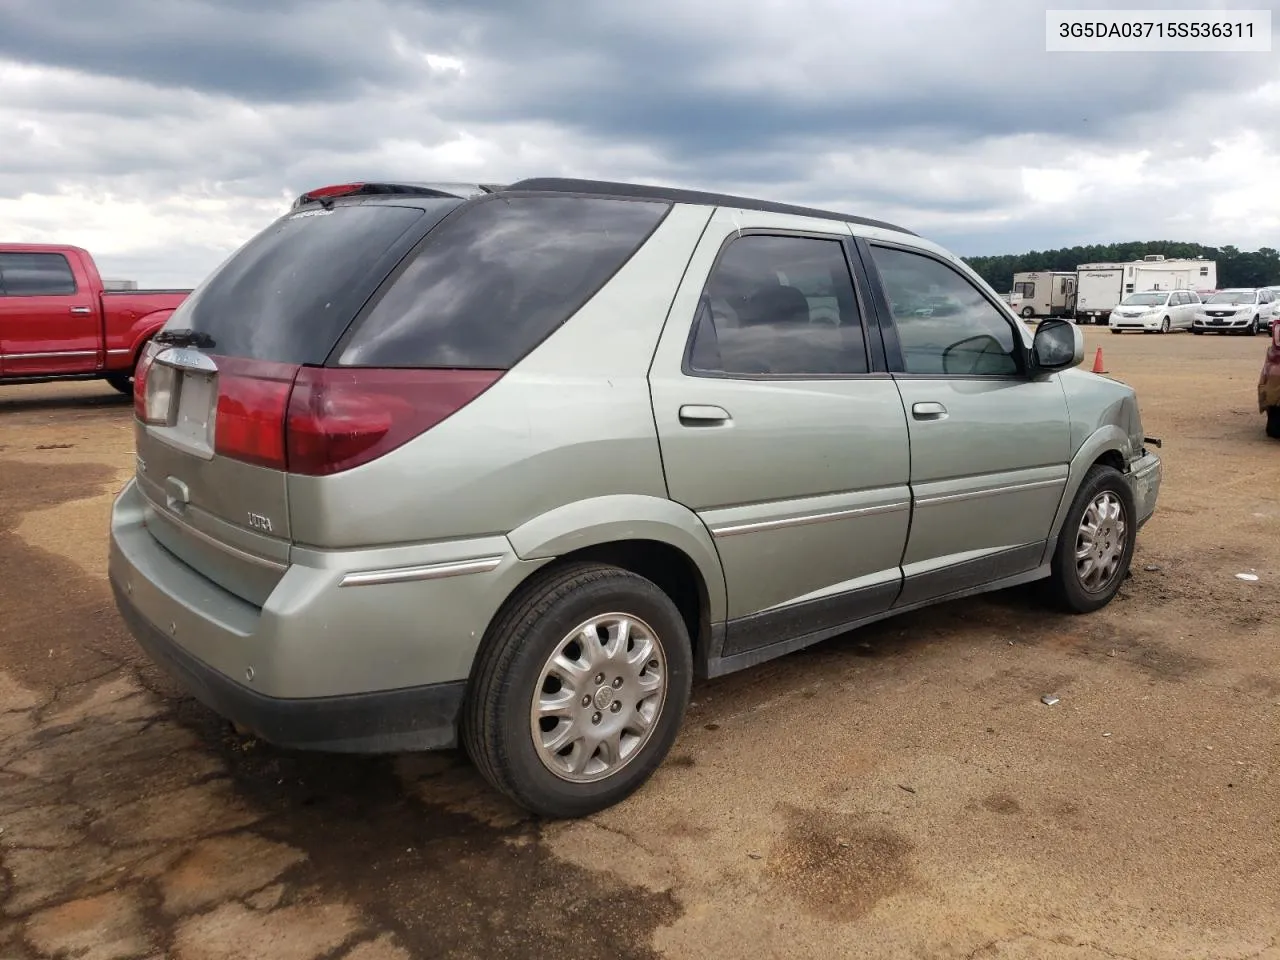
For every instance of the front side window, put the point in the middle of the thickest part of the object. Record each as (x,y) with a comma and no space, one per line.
(779,306)
(36,275)
(945,325)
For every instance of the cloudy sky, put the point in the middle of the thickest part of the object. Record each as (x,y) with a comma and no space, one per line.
(161,134)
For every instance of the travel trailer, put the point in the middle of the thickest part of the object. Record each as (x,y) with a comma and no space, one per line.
(1102,285)
(1044,293)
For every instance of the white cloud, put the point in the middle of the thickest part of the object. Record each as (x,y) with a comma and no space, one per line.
(920,113)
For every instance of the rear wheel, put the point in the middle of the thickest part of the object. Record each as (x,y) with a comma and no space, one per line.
(1095,546)
(579,690)
(1273,422)
(121,381)
(1027,313)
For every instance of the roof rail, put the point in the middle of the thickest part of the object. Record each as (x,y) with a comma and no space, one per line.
(678,195)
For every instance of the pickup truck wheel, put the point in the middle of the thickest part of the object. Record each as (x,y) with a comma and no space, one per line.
(1095,545)
(1273,422)
(579,690)
(121,381)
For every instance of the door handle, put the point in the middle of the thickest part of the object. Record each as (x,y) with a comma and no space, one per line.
(929,411)
(81,309)
(697,415)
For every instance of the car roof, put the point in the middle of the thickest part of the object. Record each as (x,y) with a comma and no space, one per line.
(680,195)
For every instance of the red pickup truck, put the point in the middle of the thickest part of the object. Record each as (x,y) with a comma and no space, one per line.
(58,323)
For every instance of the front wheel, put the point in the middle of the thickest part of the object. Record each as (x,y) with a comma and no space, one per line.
(1027,313)
(1273,422)
(579,690)
(1095,546)
(1165,325)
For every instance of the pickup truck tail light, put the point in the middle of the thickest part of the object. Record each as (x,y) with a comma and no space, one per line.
(323,420)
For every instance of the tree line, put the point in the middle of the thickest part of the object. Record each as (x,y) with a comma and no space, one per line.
(1236,268)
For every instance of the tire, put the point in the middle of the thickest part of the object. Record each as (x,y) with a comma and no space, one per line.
(1027,313)
(1198,333)
(1116,332)
(541,619)
(1253,327)
(1068,588)
(1165,325)
(122,382)
(1273,423)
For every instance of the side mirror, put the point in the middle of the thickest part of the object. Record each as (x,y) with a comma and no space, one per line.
(1057,345)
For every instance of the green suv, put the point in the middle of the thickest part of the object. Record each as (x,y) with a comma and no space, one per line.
(506,466)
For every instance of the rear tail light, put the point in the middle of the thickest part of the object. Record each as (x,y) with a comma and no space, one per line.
(319,420)
(140,379)
(1275,334)
(253,399)
(341,417)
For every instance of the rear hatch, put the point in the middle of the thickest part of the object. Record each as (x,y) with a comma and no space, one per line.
(212,391)
(338,334)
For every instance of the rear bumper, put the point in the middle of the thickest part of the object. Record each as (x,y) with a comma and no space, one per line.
(1145,475)
(415,718)
(354,650)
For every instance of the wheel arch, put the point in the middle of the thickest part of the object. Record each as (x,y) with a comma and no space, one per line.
(1106,446)
(655,538)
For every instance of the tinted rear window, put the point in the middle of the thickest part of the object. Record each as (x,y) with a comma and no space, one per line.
(493,282)
(36,275)
(289,294)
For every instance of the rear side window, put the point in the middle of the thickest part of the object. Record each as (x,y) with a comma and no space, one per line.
(36,275)
(493,282)
(289,294)
(782,307)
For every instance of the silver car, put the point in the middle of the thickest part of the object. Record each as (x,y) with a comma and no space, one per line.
(508,466)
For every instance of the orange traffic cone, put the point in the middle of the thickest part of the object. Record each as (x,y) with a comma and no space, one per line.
(1097,362)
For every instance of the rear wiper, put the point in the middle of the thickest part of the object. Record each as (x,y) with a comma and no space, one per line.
(185,338)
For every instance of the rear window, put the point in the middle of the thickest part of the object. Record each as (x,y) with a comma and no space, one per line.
(495,281)
(289,294)
(36,275)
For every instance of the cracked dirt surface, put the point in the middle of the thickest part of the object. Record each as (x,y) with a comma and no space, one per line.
(899,792)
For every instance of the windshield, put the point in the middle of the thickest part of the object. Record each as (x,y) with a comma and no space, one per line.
(1144,300)
(1232,296)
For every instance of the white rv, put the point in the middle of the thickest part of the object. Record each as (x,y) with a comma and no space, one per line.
(1100,286)
(1159,273)
(1103,285)
(1044,293)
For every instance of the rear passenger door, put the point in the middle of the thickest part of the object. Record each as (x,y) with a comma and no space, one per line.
(778,431)
(990,446)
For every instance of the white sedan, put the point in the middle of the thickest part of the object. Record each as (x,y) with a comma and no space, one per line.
(1156,311)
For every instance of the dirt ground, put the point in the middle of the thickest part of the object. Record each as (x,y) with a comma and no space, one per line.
(899,792)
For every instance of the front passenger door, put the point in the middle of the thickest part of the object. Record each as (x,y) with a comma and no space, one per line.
(990,446)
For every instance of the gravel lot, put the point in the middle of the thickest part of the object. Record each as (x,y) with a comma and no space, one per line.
(899,792)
